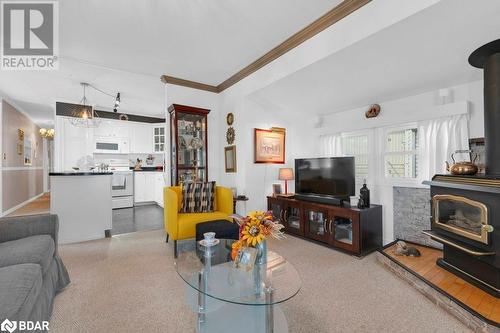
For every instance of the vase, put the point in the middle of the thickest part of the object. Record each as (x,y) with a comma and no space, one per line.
(260,267)
(261,252)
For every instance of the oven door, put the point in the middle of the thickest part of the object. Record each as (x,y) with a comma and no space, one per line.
(122,184)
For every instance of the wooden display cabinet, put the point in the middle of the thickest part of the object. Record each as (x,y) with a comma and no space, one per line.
(357,231)
(188,143)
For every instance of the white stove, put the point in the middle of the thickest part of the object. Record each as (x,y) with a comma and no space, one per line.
(122,183)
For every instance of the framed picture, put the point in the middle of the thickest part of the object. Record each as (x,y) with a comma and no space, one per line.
(28,153)
(270,146)
(276,189)
(245,259)
(230,158)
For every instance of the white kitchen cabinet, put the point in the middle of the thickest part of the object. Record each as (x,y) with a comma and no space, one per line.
(148,187)
(113,128)
(159,185)
(75,143)
(141,140)
(159,138)
(144,186)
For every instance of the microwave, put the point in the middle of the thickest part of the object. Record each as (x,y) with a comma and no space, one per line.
(105,145)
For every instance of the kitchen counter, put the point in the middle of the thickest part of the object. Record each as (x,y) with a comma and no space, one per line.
(80,173)
(147,169)
(83,202)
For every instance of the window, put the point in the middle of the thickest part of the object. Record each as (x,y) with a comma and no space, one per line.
(401,153)
(357,146)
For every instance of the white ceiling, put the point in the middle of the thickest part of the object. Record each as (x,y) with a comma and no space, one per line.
(126,45)
(201,40)
(425,52)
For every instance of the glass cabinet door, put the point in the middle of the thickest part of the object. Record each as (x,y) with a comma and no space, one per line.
(189,137)
(292,219)
(276,207)
(317,224)
(345,233)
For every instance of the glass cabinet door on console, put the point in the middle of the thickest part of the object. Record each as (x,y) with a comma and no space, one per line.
(344,231)
(276,206)
(188,142)
(316,223)
(292,218)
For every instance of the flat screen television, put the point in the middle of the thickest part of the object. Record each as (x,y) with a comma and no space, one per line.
(327,180)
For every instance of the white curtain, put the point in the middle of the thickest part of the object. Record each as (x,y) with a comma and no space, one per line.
(330,145)
(438,139)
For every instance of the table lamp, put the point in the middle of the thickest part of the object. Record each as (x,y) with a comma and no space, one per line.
(286,174)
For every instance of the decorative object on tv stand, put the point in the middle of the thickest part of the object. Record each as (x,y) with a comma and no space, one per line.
(373,111)
(364,196)
(269,145)
(463,167)
(277,190)
(230,158)
(286,174)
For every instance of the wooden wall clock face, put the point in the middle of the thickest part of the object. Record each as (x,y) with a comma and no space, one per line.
(230,135)
(230,118)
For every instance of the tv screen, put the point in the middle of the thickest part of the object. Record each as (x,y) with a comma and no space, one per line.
(329,176)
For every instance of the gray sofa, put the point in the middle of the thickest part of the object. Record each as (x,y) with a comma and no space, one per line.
(31,271)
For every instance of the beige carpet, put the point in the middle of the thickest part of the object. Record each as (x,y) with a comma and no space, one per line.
(128,284)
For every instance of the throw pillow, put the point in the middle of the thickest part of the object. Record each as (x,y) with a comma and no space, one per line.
(198,197)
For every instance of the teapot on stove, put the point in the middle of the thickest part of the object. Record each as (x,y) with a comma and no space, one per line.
(464,167)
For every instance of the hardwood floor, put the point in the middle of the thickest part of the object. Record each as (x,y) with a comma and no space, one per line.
(39,206)
(478,300)
(139,218)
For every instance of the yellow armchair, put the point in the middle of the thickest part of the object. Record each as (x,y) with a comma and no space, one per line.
(180,226)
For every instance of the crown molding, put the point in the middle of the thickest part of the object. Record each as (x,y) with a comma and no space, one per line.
(345,8)
(190,84)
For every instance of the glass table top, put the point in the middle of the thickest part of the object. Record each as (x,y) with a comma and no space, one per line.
(211,271)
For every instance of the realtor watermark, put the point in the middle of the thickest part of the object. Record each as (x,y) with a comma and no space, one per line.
(30,35)
(11,326)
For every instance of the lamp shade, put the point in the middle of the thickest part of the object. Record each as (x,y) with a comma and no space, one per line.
(286,174)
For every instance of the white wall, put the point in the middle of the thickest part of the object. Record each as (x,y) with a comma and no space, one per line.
(400,111)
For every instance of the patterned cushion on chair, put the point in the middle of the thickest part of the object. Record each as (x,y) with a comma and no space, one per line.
(198,197)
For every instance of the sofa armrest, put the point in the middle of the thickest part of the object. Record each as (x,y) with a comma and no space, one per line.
(170,211)
(224,197)
(12,228)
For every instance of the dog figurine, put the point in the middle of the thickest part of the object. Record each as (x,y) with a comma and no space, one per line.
(402,249)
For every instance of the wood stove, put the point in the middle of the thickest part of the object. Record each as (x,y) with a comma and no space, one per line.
(466,209)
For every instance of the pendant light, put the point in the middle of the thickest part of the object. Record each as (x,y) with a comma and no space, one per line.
(84,115)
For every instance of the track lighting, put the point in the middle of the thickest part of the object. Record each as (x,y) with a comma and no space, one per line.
(117,102)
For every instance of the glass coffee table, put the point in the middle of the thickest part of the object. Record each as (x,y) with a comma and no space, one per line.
(230,299)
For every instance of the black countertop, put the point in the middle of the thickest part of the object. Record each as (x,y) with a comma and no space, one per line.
(80,173)
(148,169)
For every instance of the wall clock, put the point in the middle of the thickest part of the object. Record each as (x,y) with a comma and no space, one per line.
(230,135)
(230,118)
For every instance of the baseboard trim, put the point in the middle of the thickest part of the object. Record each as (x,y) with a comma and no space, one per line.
(22,204)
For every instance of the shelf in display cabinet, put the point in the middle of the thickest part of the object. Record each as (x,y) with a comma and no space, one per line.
(353,230)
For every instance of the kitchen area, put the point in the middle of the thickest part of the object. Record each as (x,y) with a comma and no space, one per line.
(113,166)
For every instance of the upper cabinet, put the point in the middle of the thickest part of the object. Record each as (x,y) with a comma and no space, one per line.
(159,138)
(113,128)
(188,142)
(141,138)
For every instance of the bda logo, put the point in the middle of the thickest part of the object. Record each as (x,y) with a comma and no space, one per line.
(8,326)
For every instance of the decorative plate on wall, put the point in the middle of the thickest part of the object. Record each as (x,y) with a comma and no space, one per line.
(230,135)
(230,118)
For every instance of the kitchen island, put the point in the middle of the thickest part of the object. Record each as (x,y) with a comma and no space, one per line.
(83,202)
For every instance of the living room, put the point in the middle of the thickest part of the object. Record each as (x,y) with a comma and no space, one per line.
(318,167)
